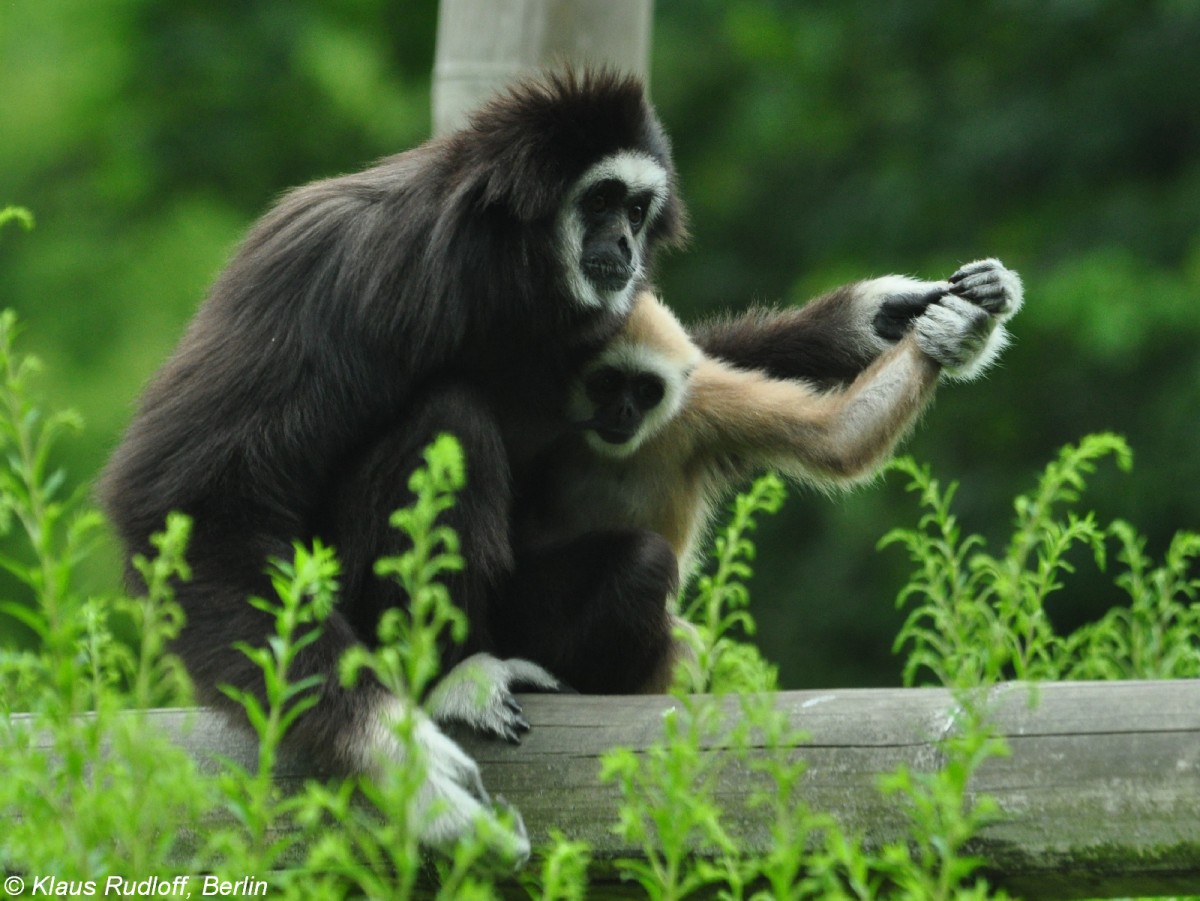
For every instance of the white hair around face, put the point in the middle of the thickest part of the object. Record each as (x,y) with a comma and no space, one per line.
(653,342)
(641,174)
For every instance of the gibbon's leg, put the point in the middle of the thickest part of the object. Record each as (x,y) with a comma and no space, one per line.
(350,730)
(477,690)
(593,610)
(376,484)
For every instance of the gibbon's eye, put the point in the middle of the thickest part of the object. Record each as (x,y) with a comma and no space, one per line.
(604,384)
(648,392)
(637,215)
(596,203)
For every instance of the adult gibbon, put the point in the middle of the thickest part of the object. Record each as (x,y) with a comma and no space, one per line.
(456,288)
(666,431)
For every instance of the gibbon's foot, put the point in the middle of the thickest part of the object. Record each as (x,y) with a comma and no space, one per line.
(478,693)
(991,285)
(452,803)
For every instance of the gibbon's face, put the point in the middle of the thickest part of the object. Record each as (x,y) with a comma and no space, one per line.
(620,401)
(626,398)
(603,229)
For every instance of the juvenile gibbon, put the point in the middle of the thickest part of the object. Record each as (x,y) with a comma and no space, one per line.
(456,287)
(666,431)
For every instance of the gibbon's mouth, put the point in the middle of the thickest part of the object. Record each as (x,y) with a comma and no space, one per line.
(607,274)
(606,432)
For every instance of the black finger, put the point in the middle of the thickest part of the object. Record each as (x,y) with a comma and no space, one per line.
(989,283)
(974,269)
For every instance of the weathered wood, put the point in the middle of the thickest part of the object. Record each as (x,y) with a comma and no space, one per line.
(484,44)
(1100,796)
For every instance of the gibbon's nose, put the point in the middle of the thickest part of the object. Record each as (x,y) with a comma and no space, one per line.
(619,423)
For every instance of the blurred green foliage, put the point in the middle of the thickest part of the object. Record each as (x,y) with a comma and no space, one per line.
(817,143)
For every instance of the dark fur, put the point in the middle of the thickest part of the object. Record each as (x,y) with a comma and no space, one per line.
(816,342)
(592,610)
(360,317)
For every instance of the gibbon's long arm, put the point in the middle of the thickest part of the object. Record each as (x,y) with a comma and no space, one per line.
(743,420)
(746,419)
(834,337)
(716,423)
(829,340)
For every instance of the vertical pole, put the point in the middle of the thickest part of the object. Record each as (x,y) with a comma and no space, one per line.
(484,44)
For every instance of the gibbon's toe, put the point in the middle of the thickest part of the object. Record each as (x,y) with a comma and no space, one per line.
(478,694)
(453,805)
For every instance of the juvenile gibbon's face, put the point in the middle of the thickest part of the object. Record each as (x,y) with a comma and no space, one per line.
(626,396)
(621,400)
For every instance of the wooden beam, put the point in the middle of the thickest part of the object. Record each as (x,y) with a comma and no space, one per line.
(1100,796)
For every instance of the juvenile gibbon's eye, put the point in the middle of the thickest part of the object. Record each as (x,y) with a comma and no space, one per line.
(604,384)
(648,392)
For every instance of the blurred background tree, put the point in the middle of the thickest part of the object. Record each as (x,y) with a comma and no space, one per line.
(817,143)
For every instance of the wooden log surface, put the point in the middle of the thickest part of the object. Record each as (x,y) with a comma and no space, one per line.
(1100,796)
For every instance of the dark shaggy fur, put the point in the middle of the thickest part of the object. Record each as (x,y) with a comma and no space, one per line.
(360,317)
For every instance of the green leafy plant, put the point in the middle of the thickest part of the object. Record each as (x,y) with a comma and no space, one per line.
(377,849)
(72,750)
(977,618)
(668,808)
(720,609)
(304,588)
(934,863)
(56,530)
(563,871)
(1158,635)
(408,659)
(95,790)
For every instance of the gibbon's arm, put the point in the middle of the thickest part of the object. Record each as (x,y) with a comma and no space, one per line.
(829,340)
(741,421)
(834,337)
